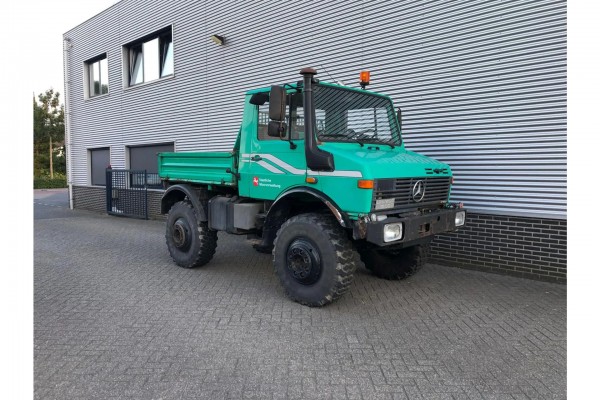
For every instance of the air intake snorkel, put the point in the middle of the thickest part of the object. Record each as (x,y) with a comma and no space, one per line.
(316,159)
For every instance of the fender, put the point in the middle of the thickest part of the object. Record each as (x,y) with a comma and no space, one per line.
(177,193)
(289,195)
(282,206)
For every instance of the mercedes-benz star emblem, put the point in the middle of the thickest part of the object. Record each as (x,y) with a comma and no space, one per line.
(418,191)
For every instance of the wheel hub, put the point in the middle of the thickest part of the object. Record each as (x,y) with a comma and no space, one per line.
(181,234)
(303,262)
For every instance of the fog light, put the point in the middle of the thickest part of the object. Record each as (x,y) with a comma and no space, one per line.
(459,219)
(392,232)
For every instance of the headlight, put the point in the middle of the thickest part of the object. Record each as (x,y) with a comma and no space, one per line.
(459,219)
(392,232)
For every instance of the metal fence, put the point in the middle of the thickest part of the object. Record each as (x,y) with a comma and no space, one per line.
(127,192)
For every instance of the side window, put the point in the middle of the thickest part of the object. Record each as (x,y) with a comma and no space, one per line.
(296,115)
(263,122)
(298,122)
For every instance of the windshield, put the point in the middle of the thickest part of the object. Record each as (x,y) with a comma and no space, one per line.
(344,115)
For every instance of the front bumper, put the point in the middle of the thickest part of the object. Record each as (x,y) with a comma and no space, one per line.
(416,229)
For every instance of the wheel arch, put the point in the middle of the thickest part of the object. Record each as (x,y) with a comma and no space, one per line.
(179,192)
(293,202)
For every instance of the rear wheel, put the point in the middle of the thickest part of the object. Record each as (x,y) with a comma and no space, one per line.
(394,264)
(190,242)
(314,259)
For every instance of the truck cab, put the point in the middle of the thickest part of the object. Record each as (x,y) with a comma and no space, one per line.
(314,156)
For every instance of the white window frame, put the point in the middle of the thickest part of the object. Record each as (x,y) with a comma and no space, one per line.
(88,75)
(160,60)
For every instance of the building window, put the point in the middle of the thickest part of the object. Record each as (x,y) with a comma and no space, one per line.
(150,58)
(99,161)
(96,72)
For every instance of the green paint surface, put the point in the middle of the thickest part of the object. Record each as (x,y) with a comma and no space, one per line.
(268,168)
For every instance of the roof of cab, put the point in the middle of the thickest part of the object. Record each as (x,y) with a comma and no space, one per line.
(298,85)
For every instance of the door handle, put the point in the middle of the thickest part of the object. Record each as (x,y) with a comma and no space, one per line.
(256,158)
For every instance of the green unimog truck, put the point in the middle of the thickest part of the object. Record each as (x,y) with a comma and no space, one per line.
(319,177)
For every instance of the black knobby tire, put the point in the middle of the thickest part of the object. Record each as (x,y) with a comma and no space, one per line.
(394,264)
(314,259)
(190,242)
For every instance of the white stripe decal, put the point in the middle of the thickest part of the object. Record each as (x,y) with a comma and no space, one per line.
(270,167)
(297,171)
(347,174)
(283,164)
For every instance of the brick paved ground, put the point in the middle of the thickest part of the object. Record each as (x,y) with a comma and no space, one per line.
(115,318)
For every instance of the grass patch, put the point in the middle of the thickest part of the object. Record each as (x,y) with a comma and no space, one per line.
(44,182)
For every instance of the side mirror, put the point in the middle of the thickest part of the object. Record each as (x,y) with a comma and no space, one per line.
(399,115)
(277,129)
(277,103)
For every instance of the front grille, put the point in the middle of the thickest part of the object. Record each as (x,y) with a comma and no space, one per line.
(400,190)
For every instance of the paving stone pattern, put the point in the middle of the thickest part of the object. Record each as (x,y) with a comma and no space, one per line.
(114,318)
(526,247)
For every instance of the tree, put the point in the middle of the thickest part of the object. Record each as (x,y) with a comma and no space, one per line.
(48,133)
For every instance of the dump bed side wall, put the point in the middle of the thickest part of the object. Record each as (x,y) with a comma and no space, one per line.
(198,167)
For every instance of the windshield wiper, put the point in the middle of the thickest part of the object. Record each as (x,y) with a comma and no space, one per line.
(359,139)
(362,140)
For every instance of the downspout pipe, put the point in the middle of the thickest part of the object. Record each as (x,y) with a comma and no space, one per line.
(316,159)
(67,77)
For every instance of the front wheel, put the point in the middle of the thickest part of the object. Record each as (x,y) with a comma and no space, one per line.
(190,242)
(394,264)
(314,259)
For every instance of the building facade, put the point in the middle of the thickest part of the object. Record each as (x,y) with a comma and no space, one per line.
(482,87)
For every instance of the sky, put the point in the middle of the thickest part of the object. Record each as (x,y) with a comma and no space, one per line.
(57,17)
(31,62)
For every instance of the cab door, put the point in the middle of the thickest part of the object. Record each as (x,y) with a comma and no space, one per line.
(275,164)
(246,136)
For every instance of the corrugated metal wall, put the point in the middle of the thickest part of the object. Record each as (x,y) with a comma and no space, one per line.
(482,84)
